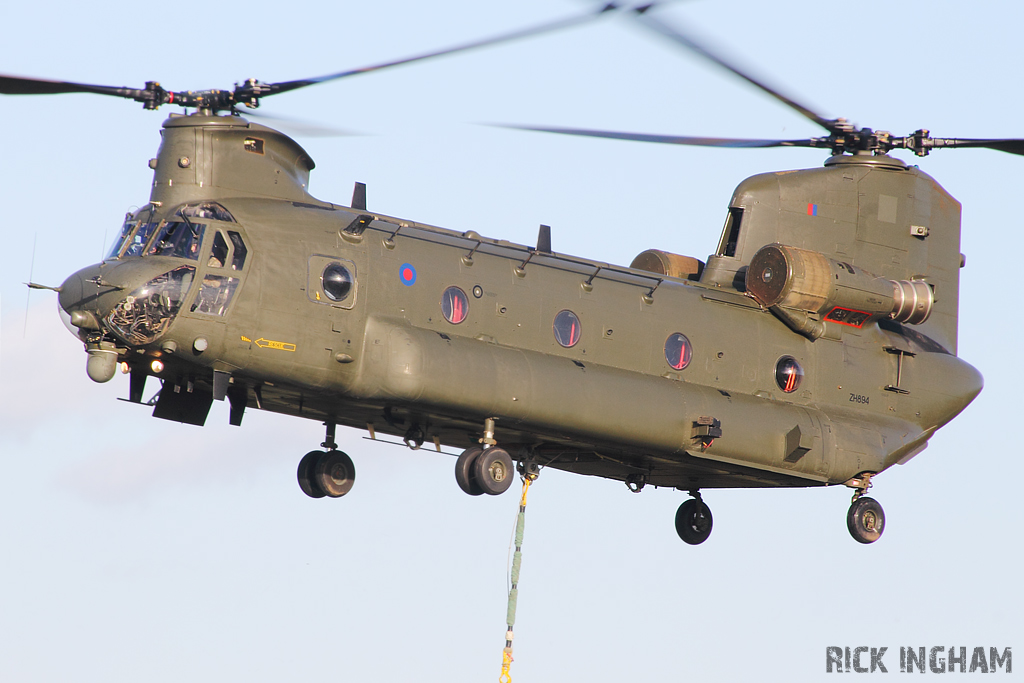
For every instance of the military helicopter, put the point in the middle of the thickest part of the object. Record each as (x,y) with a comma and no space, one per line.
(234,283)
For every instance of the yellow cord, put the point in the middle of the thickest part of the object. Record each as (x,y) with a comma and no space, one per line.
(506,662)
(526,487)
(506,655)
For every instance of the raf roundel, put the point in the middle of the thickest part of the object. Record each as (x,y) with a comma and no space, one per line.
(407,273)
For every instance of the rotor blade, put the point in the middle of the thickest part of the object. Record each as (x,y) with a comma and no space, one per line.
(502,38)
(673,139)
(644,17)
(1010,146)
(298,126)
(16,85)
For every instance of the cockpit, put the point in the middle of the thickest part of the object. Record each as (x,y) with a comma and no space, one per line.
(180,236)
(146,313)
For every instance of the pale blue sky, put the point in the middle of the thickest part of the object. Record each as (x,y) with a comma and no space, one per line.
(134,549)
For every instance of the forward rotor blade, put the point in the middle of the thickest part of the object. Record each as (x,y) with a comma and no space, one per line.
(502,38)
(309,129)
(674,139)
(1010,146)
(17,85)
(251,91)
(643,16)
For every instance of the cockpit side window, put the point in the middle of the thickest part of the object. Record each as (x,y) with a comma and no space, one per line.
(731,232)
(215,295)
(219,251)
(238,259)
(180,239)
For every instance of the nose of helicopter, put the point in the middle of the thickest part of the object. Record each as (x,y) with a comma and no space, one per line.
(81,313)
(121,304)
(80,299)
(71,301)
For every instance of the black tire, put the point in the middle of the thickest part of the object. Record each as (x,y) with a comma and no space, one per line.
(493,471)
(464,471)
(865,520)
(694,522)
(335,473)
(307,479)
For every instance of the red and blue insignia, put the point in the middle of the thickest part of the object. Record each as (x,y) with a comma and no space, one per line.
(407,274)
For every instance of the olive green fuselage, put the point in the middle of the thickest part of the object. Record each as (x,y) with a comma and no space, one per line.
(386,359)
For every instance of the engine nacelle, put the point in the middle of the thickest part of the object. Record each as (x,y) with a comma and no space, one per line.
(809,281)
(667,263)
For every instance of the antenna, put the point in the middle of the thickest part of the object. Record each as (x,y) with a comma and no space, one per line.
(31,270)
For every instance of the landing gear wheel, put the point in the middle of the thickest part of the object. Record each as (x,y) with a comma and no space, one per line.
(865,520)
(334,473)
(464,471)
(493,471)
(307,479)
(693,521)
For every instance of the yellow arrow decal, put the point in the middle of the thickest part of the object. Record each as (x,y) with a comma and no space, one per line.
(280,346)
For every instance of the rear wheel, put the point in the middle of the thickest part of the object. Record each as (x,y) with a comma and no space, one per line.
(865,520)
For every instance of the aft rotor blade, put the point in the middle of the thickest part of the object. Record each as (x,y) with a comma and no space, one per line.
(502,38)
(644,17)
(676,139)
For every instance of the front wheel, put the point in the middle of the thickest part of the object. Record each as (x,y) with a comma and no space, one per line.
(865,520)
(307,477)
(464,471)
(335,473)
(694,521)
(493,471)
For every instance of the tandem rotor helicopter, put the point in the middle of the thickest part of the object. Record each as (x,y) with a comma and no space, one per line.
(817,345)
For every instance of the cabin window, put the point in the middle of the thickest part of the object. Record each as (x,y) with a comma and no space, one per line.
(731,232)
(678,351)
(788,374)
(337,282)
(567,328)
(454,305)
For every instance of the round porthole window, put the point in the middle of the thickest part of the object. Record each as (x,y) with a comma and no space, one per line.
(454,305)
(678,351)
(337,282)
(567,328)
(788,374)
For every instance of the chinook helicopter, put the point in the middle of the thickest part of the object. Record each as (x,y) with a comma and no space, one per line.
(234,283)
